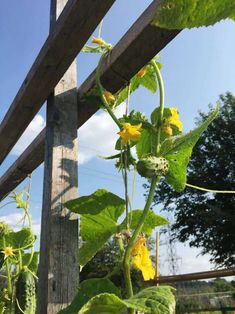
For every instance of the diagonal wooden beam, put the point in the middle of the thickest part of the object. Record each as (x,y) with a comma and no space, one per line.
(139,45)
(72,30)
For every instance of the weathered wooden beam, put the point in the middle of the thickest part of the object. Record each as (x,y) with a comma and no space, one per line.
(58,265)
(139,45)
(72,30)
(196,276)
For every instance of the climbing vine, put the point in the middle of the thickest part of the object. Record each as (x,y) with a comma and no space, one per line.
(157,149)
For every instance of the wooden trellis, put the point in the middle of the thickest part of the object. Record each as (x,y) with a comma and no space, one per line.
(52,77)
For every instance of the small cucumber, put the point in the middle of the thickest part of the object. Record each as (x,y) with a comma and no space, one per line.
(25,293)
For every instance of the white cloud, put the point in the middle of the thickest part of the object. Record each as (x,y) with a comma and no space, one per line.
(14,220)
(36,125)
(98,136)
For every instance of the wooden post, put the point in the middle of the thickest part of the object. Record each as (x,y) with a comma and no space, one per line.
(58,266)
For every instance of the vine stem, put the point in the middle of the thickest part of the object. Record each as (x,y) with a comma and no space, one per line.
(100,28)
(100,87)
(29,217)
(161,103)
(127,256)
(9,285)
(209,190)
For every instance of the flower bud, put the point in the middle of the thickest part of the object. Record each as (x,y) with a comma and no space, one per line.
(142,72)
(109,97)
(152,166)
(167,130)
(98,41)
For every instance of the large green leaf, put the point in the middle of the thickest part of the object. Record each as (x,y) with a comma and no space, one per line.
(145,144)
(33,266)
(99,214)
(153,300)
(157,300)
(151,221)
(178,151)
(87,290)
(179,14)
(107,303)
(21,239)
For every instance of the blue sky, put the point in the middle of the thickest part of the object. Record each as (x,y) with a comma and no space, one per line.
(198,66)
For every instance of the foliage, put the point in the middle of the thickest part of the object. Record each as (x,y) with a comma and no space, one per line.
(181,14)
(18,261)
(99,214)
(200,216)
(150,300)
(106,263)
(162,153)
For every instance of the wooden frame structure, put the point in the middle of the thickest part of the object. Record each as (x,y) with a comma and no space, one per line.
(57,143)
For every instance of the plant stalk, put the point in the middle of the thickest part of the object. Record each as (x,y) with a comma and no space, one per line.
(127,256)
(161,103)
(99,85)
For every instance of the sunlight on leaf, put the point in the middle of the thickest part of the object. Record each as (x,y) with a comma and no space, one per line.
(181,14)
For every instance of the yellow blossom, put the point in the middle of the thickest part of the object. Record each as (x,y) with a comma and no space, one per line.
(142,72)
(174,119)
(109,97)
(130,132)
(141,259)
(7,251)
(167,130)
(98,41)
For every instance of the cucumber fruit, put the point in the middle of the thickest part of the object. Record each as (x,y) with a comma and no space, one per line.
(25,293)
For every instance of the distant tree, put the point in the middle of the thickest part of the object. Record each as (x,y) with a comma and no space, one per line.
(207,220)
(222,285)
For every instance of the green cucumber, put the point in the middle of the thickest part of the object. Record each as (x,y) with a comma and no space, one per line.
(25,293)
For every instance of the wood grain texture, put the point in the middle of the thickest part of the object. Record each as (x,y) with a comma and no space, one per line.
(69,35)
(58,265)
(139,45)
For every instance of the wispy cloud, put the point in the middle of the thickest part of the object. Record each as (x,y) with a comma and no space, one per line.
(98,136)
(14,220)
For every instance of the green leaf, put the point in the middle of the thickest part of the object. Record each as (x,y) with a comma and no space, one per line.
(123,94)
(87,290)
(153,300)
(99,214)
(104,303)
(178,151)
(21,239)
(145,144)
(148,81)
(152,221)
(156,299)
(33,266)
(91,49)
(181,14)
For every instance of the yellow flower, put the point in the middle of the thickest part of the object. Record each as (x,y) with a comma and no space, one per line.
(130,132)
(174,119)
(141,259)
(167,130)
(142,72)
(7,251)
(109,97)
(98,41)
